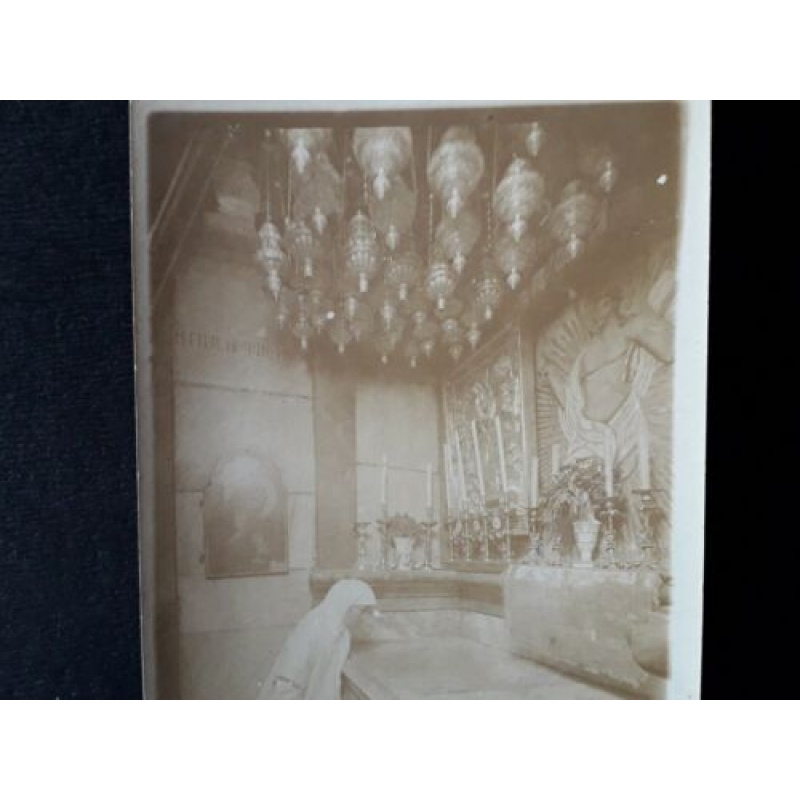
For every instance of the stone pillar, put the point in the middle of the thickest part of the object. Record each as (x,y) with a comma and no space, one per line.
(335,450)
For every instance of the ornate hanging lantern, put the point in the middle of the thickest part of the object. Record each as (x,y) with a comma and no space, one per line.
(426,334)
(340,333)
(412,352)
(440,283)
(382,153)
(401,271)
(574,218)
(362,250)
(349,297)
(318,195)
(320,307)
(451,309)
(518,197)
(452,338)
(301,247)
(455,169)
(597,162)
(272,257)
(362,323)
(471,323)
(514,258)
(386,307)
(457,237)
(304,143)
(417,308)
(488,290)
(393,213)
(534,139)
(385,344)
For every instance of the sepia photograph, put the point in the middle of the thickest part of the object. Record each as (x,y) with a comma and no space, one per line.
(421,399)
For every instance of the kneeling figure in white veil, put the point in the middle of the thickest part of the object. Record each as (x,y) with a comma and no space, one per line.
(309,667)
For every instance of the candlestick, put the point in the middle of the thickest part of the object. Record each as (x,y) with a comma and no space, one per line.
(447,477)
(502,453)
(462,488)
(534,496)
(555,459)
(429,486)
(384,480)
(608,461)
(644,451)
(478,464)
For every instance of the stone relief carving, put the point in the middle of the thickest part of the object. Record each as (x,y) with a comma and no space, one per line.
(604,385)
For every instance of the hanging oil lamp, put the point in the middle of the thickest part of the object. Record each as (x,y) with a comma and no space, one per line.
(382,153)
(457,237)
(451,337)
(488,291)
(303,143)
(426,334)
(393,213)
(362,250)
(412,352)
(318,193)
(471,323)
(340,333)
(455,169)
(514,258)
(301,247)
(574,218)
(401,271)
(534,139)
(272,257)
(519,195)
(362,323)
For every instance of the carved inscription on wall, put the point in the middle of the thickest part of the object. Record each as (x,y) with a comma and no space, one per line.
(206,341)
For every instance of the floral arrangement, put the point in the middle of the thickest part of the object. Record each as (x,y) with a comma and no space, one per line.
(402,525)
(580,485)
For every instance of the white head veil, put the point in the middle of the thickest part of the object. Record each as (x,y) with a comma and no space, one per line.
(310,663)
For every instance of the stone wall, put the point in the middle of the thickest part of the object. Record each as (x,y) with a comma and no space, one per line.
(235,393)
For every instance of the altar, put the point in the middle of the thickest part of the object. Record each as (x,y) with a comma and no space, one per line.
(530,632)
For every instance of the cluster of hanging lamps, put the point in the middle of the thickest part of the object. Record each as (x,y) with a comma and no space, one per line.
(360,277)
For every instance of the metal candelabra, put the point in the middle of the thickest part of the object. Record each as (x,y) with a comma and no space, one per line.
(535,554)
(647,540)
(361,531)
(429,526)
(608,542)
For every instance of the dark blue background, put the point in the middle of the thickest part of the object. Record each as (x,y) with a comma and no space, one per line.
(69,623)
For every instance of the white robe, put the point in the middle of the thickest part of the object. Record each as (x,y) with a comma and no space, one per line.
(309,666)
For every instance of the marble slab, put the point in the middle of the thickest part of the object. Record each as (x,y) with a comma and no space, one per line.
(453,668)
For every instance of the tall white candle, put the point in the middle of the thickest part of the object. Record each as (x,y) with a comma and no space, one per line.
(429,486)
(555,459)
(644,452)
(534,498)
(384,480)
(462,483)
(608,461)
(447,477)
(478,464)
(502,451)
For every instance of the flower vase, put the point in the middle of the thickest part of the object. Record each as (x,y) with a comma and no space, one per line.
(585,539)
